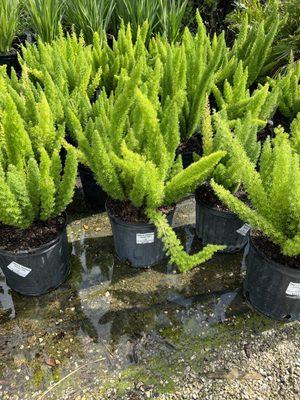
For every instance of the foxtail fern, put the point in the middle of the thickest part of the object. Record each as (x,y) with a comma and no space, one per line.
(295,133)
(216,131)
(130,145)
(39,190)
(236,98)
(274,192)
(33,183)
(253,46)
(289,104)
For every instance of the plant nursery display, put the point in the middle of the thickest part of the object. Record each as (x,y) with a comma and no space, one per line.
(9,21)
(272,280)
(149,108)
(35,190)
(130,145)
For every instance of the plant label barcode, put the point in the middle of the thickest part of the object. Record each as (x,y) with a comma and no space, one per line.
(144,238)
(19,269)
(244,230)
(293,289)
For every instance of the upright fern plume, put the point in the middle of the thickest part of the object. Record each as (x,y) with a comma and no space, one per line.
(217,131)
(237,100)
(130,143)
(32,178)
(289,104)
(274,192)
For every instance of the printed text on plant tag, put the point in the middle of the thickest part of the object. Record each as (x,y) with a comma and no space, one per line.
(244,230)
(293,289)
(144,238)
(19,269)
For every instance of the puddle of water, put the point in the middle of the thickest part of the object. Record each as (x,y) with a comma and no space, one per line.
(6,303)
(104,310)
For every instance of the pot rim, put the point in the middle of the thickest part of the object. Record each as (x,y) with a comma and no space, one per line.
(42,247)
(272,263)
(11,54)
(228,214)
(136,224)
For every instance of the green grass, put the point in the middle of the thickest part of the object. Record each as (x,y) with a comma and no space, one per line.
(45,17)
(163,16)
(89,16)
(9,20)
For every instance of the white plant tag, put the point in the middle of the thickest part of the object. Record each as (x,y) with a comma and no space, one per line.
(293,289)
(244,230)
(19,269)
(144,238)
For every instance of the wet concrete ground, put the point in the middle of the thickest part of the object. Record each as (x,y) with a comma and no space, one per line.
(115,332)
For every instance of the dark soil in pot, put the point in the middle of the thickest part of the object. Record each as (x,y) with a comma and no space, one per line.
(188,147)
(135,238)
(15,239)
(35,260)
(127,212)
(272,283)
(272,251)
(206,195)
(216,224)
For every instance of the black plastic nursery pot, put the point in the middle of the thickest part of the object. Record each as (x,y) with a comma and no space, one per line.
(137,243)
(187,159)
(10,60)
(271,288)
(94,195)
(220,227)
(38,271)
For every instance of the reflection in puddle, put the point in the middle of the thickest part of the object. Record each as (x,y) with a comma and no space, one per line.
(112,309)
(189,232)
(222,305)
(6,301)
(106,307)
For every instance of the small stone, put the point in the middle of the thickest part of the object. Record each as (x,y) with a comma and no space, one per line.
(50,361)
(19,360)
(233,374)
